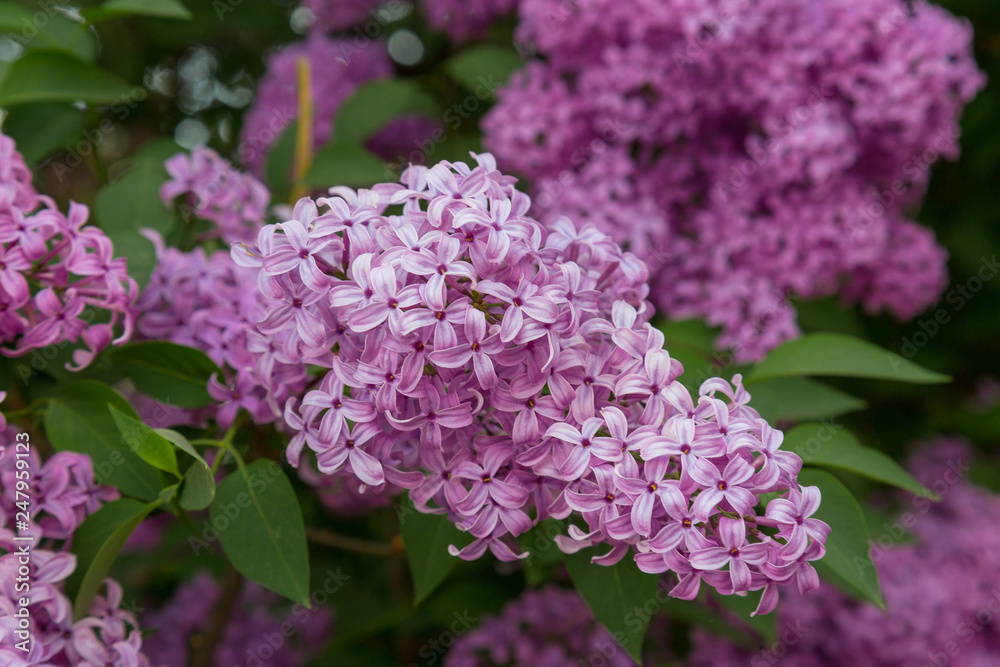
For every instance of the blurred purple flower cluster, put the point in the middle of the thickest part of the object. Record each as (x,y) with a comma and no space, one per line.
(495,369)
(465,19)
(263,629)
(62,492)
(337,68)
(209,303)
(551,627)
(212,189)
(56,272)
(941,589)
(752,153)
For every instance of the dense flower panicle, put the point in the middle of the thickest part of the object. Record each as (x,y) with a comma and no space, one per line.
(463,19)
(257,615)
(213,190)
(551,627)
(56,272)
(504,373)
(749,152)
(939,584)
(209,303)
(62,492)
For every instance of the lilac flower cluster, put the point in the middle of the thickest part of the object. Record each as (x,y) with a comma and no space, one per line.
(551,627)
(53,268)
(750,152)
(464,19)
(209,303)
(213,190)
(941,590)
(337,68)
(63,492)
(495,369)
(262,630)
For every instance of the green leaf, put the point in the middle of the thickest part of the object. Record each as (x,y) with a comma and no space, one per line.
(835,354)
(170,373)
(52,76)
(619,596)
(199,487)
(97,542)
(483,69)
(165,9)
(260,528)
(48,29)
(199,483)
(377,102)
(42,128)
(77,420)
(426,538)
(836,447)
(346,164)
(798,399)
(848,545)
(149,445)
(132,203)
(181,443)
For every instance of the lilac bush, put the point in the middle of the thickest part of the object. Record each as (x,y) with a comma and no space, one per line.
(505,373)
(53,268)
(752,153)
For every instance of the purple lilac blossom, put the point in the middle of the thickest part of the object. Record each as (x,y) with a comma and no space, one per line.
(249,637)
(52,268)
(465,19)
(503,373)
(751,153)
(939,582)
(213,190)
(551,627)
(209,303)
(63,492)
(334,15)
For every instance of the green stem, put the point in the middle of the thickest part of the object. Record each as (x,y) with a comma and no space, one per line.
(26,411)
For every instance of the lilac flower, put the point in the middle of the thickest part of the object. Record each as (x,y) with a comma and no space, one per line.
(722,486)
(734,551)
